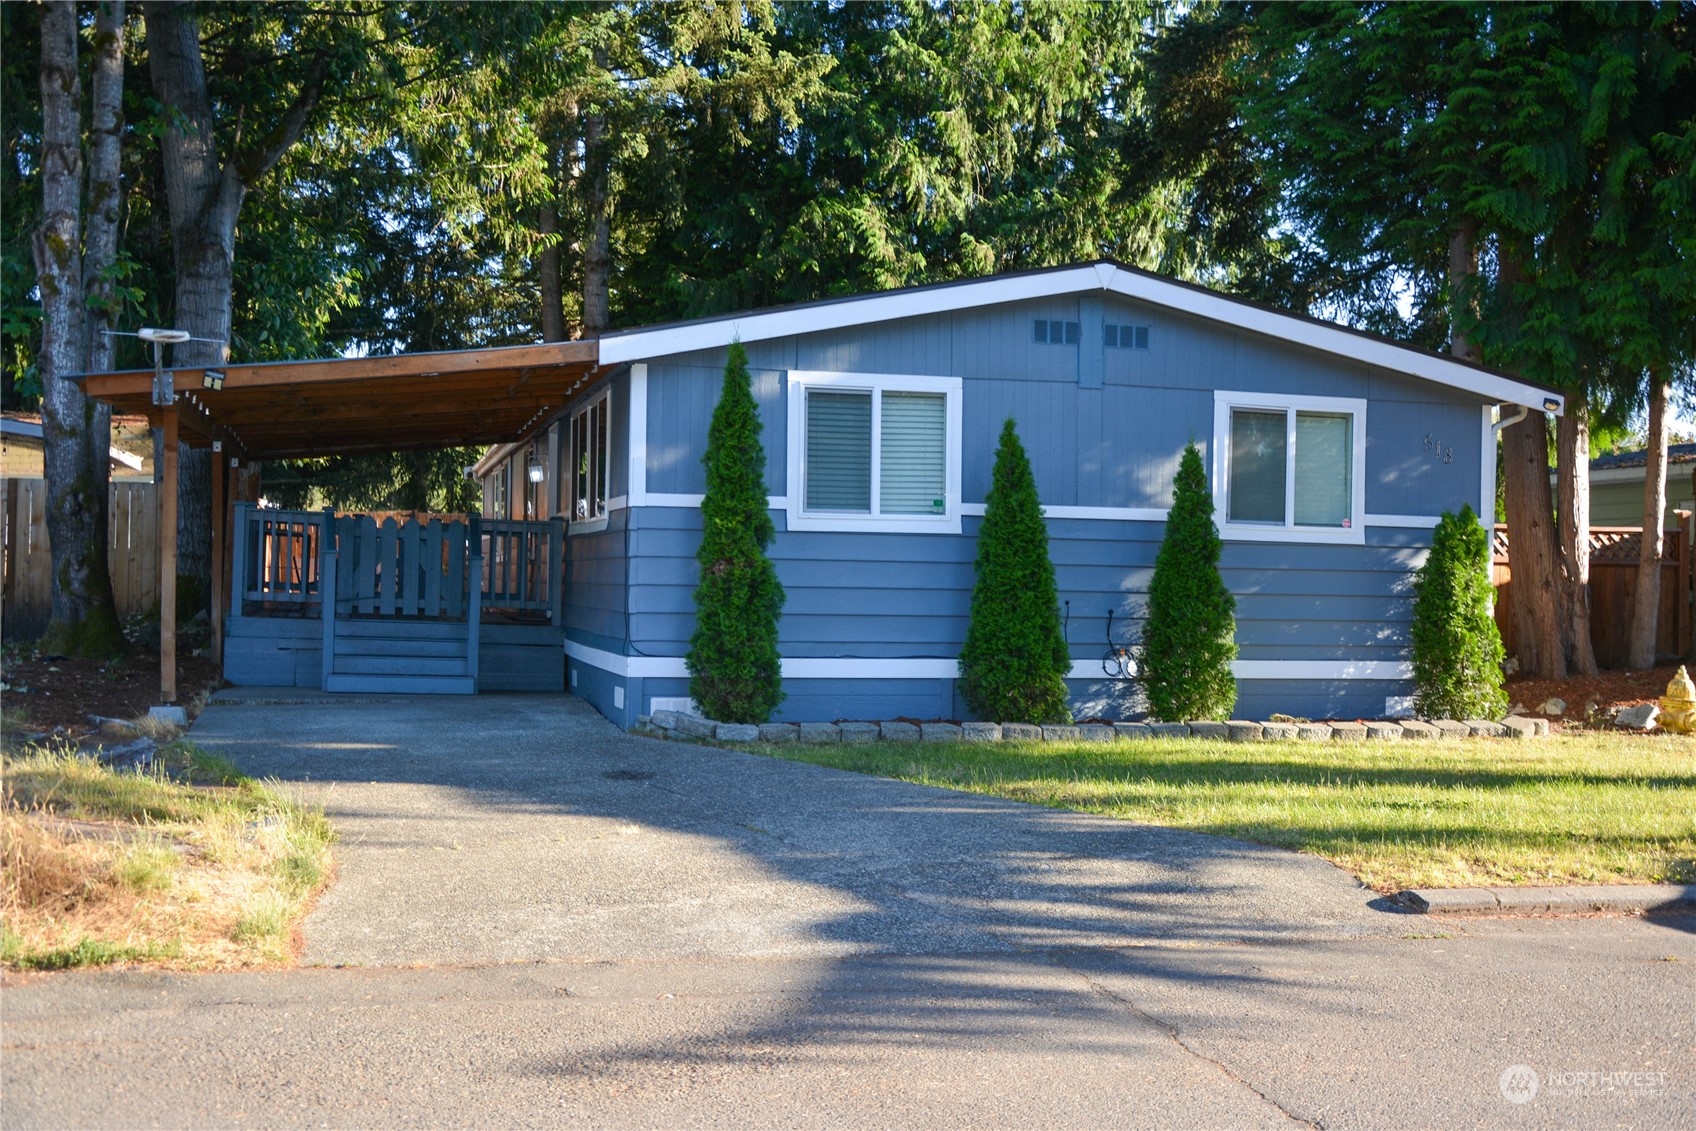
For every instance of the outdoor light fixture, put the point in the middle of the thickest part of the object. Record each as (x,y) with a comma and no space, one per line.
(1550,404)
(537,471)
(212,379)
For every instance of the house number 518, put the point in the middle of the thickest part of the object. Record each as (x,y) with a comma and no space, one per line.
(1438,448)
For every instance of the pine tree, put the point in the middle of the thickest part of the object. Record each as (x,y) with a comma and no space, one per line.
(1188,643)
(1014,663)
(734,667)
(1457,651)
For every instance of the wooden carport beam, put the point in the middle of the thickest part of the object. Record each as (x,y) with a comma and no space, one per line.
(168,558)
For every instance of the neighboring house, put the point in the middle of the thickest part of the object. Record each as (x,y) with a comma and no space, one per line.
(1332,454)
(1616,486)
(21,447)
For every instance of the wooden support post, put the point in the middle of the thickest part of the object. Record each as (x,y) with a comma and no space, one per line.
(168,560)
(220,477)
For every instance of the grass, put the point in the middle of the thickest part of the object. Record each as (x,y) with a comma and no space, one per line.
(1413,814)
(189,865)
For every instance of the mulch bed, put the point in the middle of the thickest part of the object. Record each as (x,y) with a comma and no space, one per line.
(1587,696)
(62,692)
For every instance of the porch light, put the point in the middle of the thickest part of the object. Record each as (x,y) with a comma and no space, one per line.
(212,379)
(537,471)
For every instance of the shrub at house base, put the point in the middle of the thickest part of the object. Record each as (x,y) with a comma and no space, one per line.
(735,672)
(1189,640)
(1014,663)
(1457,651)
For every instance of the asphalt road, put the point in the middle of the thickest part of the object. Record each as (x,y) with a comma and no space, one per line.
(540,920)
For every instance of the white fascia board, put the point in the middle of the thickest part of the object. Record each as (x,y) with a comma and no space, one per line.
(1329,339)
(495,454)
(636,345)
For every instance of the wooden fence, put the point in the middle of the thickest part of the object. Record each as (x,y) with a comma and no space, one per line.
(1613,591)
(132,547)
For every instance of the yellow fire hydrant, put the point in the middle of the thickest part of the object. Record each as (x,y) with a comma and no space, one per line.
(1678,705)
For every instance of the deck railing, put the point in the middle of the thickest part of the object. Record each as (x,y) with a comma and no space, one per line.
(407,568)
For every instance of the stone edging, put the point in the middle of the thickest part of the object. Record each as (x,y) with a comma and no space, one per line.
(668,724)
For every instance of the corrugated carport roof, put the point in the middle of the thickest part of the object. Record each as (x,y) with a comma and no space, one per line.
(347,406)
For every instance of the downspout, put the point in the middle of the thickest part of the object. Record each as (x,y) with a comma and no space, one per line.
(1509,421)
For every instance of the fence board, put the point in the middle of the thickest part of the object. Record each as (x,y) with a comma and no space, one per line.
(132,548)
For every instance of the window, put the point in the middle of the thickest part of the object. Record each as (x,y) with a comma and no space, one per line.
(1057,333)
(1289,468)
(500,490)
(586,462)
(1118,337)
(874,452)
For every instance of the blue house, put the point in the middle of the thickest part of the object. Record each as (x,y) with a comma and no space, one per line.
(1331,453)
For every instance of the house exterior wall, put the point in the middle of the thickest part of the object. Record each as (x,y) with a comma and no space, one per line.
(874,620)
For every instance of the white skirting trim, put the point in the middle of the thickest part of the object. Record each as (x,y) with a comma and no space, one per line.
(802,667)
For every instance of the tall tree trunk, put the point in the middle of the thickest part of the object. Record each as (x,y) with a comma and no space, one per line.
(205,196)
(597,242)
(1463,268)
(1531,548)
(82,620)
(549,264)
(1640,647)
(1572,470)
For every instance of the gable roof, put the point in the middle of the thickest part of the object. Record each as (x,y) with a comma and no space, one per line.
(1049,282)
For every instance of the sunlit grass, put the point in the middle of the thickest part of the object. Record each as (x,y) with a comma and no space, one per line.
(1449,813)
(189,864)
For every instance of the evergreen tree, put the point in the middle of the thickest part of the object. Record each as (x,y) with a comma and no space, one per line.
(1457,652)
(734,668)
(1014,663)
(1188,642)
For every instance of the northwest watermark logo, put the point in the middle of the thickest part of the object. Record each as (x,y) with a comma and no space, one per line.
(1519,1083)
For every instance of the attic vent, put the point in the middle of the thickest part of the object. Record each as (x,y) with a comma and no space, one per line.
(1057,333)
(1126,337)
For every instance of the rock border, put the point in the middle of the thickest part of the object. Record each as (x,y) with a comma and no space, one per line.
(669,724)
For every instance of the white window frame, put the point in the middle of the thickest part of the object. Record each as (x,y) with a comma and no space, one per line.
(800,518)
(592,522)
(1355,408)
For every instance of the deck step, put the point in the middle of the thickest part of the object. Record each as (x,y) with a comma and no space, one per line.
(399,665)
(402,684)
(400,627)
(399,646)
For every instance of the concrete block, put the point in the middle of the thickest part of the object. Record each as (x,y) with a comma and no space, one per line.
(736,732)
(1201,728)
(666,720)
(695,726)
(1060,734)
(1095,732)
(1484,728)
(1313,732)
(821,732)
(1382,730)
(1273,732)
(174,715)
(1413,728)
(940,732)
(980,732)
(859,732)
(1352,732)
(1519,728)
(1452,728)
(779,732)
(1021,732)
(1242,730)
(898,732)
(1132,730)
(1169,730)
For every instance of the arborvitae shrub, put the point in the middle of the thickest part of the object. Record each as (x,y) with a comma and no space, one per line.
(1457,651)
(1015,660)
(734,668)
(1189,640)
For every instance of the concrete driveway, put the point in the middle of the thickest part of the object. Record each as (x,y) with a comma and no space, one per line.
(510,828)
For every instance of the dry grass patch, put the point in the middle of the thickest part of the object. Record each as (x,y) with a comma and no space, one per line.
(189,865)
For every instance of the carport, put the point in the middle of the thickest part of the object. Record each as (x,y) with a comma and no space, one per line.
(349,406)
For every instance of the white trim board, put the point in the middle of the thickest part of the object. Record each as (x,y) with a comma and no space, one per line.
(803,667)
(661,341)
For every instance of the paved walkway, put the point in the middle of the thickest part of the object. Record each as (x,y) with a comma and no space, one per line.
(507,828)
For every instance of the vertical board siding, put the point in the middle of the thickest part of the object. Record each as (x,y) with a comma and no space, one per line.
(681,399)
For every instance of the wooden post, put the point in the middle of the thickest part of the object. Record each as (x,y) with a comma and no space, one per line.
(168,560)
(220,477)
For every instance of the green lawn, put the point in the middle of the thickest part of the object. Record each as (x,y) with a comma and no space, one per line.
(1452,813)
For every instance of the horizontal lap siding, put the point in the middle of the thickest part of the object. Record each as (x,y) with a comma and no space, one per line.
(909,595)
(595,594)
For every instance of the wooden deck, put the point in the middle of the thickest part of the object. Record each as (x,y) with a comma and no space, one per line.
(347,603)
